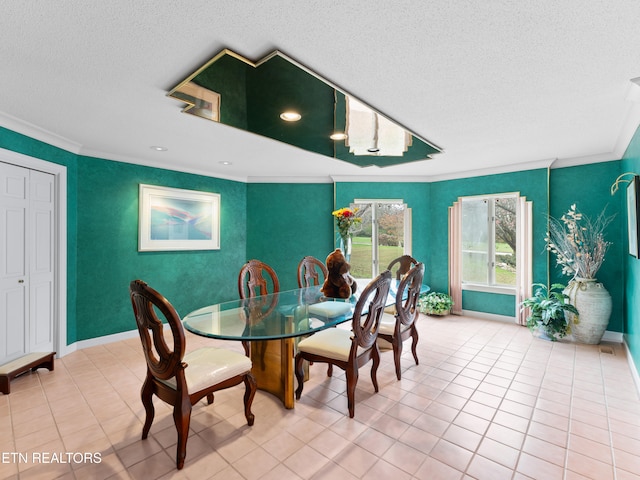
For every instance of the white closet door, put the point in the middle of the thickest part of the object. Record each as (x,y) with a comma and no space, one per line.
(14,268)
(26,261)
(41,284)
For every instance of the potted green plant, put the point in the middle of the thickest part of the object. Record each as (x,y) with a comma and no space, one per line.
(547,310)
(435,303)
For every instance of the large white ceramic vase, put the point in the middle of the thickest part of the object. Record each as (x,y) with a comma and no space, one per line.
(593,303)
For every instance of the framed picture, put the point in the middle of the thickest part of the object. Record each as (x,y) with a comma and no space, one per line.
(633,190)
(175,219)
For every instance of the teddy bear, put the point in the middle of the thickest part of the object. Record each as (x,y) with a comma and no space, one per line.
(339,283)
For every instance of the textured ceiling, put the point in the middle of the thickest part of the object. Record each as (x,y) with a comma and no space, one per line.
(497,85)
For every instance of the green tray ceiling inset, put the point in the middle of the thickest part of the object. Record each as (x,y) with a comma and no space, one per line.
(251,96)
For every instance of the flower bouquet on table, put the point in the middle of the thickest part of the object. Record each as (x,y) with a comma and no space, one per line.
(346,220)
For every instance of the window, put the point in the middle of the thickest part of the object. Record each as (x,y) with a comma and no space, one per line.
(383,235)
(489,241)
(490,248)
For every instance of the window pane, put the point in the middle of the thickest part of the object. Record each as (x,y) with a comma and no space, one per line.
(475,237)
(390,232)
(380,237)
(505,241)
(361,249)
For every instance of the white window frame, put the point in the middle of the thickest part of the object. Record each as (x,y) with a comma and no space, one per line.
(491,286)
(374,225)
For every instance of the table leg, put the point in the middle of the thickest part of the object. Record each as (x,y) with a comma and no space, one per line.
(273,368)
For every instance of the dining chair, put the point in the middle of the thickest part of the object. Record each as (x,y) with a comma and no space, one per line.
(397,328)
(178,378)
(252,283)
(400,266)
(251,279)
(308,274)
(405,262)
(349,349)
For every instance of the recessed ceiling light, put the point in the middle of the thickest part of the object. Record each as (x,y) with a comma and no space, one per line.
(158,149)
(225,162)
(290,116)
(338,136)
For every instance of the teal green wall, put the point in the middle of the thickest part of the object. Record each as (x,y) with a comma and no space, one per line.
(286,222)
(589,187)
(532,184)
(498,303)
(631,279)
(108,257)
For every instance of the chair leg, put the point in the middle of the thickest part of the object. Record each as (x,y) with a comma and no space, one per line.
(182,418)
(330,370)
(146,394)
(246,346)
(397,353)
(352,380)
(414,343)
(375,355)
(250,386)
(299,370)
(210,399)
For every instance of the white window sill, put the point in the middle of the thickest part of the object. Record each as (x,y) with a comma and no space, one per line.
(504,290)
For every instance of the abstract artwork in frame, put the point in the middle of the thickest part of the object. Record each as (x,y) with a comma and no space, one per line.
(176,219)
(633,190)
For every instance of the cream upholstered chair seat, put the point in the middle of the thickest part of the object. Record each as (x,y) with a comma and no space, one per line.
(388,325)
(333,343)
(209,365)
(329,310)
(387,328)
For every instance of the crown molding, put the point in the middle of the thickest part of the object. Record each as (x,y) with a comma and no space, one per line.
(37,133)
(146,163)
(319,179)
(576,161)
(379,178)
(629,128)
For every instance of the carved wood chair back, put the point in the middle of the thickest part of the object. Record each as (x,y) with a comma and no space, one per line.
(308,272)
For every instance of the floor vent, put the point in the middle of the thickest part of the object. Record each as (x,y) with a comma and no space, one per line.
(605,349)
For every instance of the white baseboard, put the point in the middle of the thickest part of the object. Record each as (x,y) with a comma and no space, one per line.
(116,337)
(105,339)
(632,365)
(613,337)
(489,316)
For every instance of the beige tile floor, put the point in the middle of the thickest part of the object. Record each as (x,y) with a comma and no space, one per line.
(487,401)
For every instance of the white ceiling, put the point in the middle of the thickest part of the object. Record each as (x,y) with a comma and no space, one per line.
(499,85)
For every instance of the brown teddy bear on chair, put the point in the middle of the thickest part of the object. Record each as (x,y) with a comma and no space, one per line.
(338,284)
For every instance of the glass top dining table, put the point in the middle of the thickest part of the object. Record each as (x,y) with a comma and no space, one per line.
(271,323)
(290,313)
